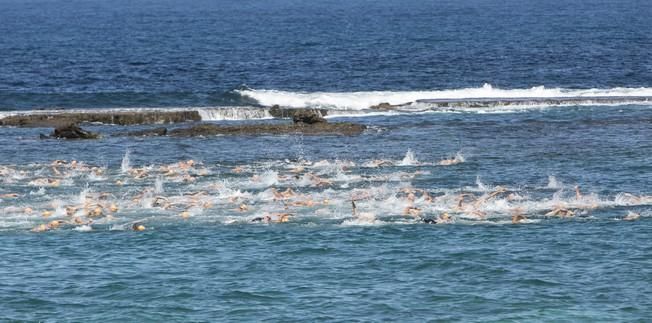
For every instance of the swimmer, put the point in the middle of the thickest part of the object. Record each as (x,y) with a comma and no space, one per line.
(283,195)
(265,219)
(379,163)
(54,224)
(138,227)
(450,161)
(297,170)
(426,197)
(9,195)
(632,216)
(628,198)
(353,207)
(483,199)
(97,211)
(561,212)
(187,164)
(40,228)
(517,215)
(461,199)
(283,217)
(444,218)
(318,181)
(187,178)
(308,203)
(518,218)
(78,221)
(412,211)
(277,218)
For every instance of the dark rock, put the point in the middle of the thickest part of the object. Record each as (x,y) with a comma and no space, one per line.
(308,117)
(288,113)
(387,106)
(59,119)
(73,132)
(321,128)
(160,131)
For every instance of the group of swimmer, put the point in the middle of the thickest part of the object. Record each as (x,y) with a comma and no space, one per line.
(276,197)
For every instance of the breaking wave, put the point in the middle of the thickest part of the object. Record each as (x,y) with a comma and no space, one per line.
(259,104)
(364,100)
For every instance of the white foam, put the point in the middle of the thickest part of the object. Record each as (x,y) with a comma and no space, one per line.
(364,100)
(233,113)
(124,166)
(410,159)
(158,185)
(554,183)
(83,228)
(362,219)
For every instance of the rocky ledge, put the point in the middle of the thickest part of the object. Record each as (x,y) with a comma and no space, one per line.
(304,122)
(127,118)
(323,128)
(71,131)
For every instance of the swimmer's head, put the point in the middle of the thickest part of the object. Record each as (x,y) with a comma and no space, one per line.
(138,227)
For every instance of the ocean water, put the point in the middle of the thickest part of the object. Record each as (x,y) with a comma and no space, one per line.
(356,245)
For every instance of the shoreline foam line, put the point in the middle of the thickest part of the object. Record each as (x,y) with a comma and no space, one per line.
(524,101)
(138,116)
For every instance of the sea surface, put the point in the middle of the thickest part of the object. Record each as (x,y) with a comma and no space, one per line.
(490,212)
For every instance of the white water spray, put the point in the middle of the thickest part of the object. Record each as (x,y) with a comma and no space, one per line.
(410,159)
(124,166)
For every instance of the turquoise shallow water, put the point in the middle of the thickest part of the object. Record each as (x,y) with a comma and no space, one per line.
(586,270)
(326,264)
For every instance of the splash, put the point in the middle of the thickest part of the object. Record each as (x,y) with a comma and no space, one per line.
(554,183)
(233,113)
(364,100)
(125,165)
(481,186)
(332,191)
(158,185)
(410,159)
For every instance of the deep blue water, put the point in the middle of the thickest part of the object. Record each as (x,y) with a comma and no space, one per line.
(327,264)
(173,53)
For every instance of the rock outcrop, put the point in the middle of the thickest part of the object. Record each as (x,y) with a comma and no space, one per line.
(155,132)
(320,128)
(387,106)
(288,113)
(72,131)
(308,117)
(59,119)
